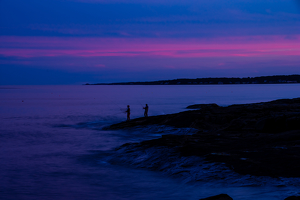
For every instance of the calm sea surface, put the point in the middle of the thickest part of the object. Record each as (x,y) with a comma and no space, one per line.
(53,146)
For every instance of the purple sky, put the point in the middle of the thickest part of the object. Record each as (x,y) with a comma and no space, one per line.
(79,41)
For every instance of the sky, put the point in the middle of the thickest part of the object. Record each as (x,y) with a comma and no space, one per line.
(45,42)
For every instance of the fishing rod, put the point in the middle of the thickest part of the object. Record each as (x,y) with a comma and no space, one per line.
(118,113)
(123,109)
(153,109)
(140,103)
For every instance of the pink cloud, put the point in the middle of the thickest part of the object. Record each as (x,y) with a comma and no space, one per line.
(252,46)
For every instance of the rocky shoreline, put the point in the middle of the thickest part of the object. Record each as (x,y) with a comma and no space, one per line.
(261,139)
(227,197)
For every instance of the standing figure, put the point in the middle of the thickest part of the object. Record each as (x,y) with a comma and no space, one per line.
(146,110)
(128,112)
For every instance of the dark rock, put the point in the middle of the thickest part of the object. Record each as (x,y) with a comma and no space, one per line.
(293,123)
(219,197)
(236,124)
(272,124)
(293,198)
(201,106)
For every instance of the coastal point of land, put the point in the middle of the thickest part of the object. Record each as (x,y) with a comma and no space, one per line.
(261,139)
(278,79)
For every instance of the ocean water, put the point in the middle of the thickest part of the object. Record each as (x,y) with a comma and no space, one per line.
(53,145)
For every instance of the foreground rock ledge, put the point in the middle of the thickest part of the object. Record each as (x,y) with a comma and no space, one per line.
(219,197)
(227,197)
(261,139)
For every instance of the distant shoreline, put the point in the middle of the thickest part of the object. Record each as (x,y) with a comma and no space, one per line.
(278,79)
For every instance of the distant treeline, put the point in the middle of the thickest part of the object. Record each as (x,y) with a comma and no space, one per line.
(278,79)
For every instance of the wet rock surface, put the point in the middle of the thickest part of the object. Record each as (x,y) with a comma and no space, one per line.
(261,139)
(227,197)
(219,197)
(293,198)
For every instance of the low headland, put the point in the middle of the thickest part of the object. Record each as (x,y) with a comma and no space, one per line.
(260,139)
(278,79)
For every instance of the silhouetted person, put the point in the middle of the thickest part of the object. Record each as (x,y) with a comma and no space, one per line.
(128,112)
(146,110)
